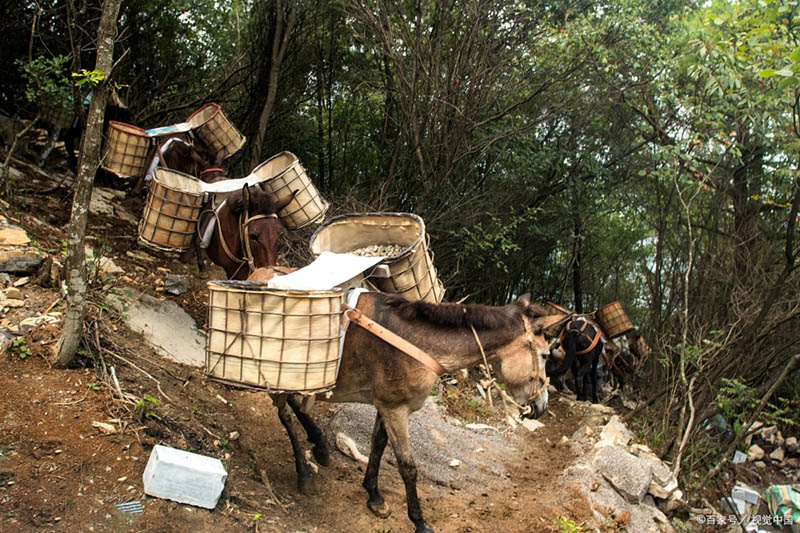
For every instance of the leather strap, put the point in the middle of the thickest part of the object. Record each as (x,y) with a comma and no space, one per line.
(595,340)
(357,317)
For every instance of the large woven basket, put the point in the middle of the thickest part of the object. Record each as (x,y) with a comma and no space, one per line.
(278,340)
(411,272)
(170,215)
(282,174)
(126,149)
(215,130)
(612,318)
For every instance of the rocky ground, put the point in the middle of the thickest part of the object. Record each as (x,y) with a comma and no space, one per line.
(74,443)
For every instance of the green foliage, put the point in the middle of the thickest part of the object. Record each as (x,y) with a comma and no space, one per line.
(93,386)
(566,525)
(737,401)
(92,78)
(146,406)
(45,82)
(20,348)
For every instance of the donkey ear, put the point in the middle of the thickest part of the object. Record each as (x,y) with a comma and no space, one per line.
(246,196)
(283,202)
(525,300)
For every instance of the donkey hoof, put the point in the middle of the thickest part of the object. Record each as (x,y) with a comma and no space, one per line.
(379,508)
(321,456)
(422,527)
(306,486)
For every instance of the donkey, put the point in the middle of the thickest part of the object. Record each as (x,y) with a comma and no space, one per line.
(246,233)
(374,372)
(582,343)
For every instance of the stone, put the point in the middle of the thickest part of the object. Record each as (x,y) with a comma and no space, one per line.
(455,463)
(104,263)
(140,255)
(629,475)
(760,464)
(176,285)
(791,444)
(755,453)
(614,433)
(347,446)
(184,477)
(12,235)
(36,321)
(163,324)
(12,302)
(15,294)
(21,282)
(777,455)
(531,425)
(24,264)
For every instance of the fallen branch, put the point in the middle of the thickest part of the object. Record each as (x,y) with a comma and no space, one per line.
(158,383)
(270,492)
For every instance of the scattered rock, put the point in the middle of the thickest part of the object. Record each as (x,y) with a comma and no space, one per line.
(108,429)
(15,294)
(455,463)
(103,263)
(24,264)
(140,255)
(234,435)
(347,446)
(791,444)
(36,321)
(777,455)
(12,235)
(176,285)
(21,282)
(531,425)
(11,302)
(755,452)
(628,474)
(760,464)
(614,433)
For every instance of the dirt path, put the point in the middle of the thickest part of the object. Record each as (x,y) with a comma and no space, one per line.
(60,471)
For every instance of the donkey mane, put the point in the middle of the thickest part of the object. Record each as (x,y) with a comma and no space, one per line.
(260,203)
(455,315)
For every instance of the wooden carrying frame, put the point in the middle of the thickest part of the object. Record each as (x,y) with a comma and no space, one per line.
(278,340)
(612,318)
(215,130)
(126,149)
(170,215)
(411,272)
(283,174)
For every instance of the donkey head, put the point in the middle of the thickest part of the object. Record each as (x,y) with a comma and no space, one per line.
(262,228)
(521,364)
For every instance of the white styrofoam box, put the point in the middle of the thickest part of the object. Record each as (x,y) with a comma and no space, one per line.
(184,477)
(745,493)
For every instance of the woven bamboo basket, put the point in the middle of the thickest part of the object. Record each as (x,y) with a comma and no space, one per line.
(215,130)
(125,150)
(411,272)
(612,318)
(56,116)
(282,174)
(278,340)
(170,215)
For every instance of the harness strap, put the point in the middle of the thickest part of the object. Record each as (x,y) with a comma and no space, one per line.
(357,317)
(592,345)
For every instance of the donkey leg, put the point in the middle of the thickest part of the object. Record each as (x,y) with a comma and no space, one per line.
(595,362)
(580,390)
(315,437)
(376,503)
(396,423)
(305,478)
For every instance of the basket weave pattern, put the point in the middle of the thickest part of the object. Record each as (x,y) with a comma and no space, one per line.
(612,318)
(282,174)
(126,150)
(169,219)
(281,341)
(215,130)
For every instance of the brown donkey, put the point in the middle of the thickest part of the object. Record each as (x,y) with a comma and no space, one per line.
(246,233)
(374,372)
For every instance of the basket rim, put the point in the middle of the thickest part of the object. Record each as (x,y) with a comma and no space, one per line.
(127,128)
(210,104)
(260,287)
(340,218)
(614,303)
(183,175)
(294,161)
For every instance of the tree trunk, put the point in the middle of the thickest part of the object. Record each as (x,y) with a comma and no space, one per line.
(280,43)
(88,163)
